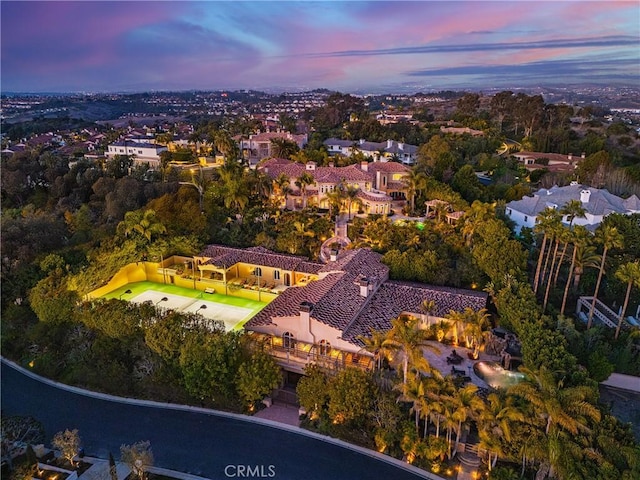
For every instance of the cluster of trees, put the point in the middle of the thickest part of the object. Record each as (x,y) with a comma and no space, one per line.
(138,456)
(549,423)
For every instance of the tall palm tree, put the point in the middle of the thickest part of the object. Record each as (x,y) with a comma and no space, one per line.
(408,338)
(475,323)
(548,221)
(573,209)
(610,238)
(351,196)
(560,235)
(581,238)
(283,187)
(586,257)
(413,392)
(457,320)
(302,182)
(630,273)
(414,181)
(468,405)
(375,343)
(496,419)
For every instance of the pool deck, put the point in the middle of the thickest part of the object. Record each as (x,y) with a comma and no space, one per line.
(439,361)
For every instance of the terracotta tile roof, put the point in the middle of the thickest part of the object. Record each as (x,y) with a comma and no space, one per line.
(288,302)
(224,257)
(391,167)
(395,297)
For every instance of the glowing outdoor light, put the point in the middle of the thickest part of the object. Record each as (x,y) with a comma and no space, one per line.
(126,292)
(163,299)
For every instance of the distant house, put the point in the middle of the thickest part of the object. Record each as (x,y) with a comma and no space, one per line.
(142,153)
(598,203)
(379,184)
(551,161)
(258,146)
(377,151)
(462,131)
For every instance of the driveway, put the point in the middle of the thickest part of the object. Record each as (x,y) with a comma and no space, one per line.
(203,444)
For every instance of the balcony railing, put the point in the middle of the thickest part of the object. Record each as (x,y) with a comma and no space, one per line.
(296,354)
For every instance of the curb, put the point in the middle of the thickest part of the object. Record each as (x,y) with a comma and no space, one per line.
(244,418)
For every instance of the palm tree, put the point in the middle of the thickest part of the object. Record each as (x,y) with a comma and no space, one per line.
(283,187)
(610,238)
(558,407)
(573,209)
(559,235)
(457,320)
(302,182)
(375,343)
(467,405)
(478,214)
(427,307)
(407,337)
(586,257)
(413,392)
(630,273)
(581,237)
(475,322)
(283,148)
(414,181)
(351,195)
(144,223)
(548,221)
(495,422)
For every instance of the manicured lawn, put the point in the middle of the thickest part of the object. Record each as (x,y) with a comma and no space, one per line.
(233,311)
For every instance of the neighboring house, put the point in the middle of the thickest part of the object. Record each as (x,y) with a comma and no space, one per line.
(551,161)
(462,131)
(258,146)
(379,184)
(598,203)
(378,152)
(142,153)
(321,322)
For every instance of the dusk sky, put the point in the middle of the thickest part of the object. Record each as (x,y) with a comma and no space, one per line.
(98,46)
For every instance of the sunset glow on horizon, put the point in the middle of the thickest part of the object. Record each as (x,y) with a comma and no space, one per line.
(348,46)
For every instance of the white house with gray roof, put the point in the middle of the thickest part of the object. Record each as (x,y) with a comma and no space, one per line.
(597,202)
(378,151)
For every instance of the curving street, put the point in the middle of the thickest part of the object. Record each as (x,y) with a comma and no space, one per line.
(202,444)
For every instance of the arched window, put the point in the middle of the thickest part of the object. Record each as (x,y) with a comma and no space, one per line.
(325,347)
(288,340)
(257,272)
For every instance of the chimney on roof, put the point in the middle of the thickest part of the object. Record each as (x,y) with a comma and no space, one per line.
(331,164)
(570,157)
(361,141)
(305,311)
(364,166)
(400,146)
(311,166)
(333,255)
(389,143)
(584,196)
(364,287)
(583,155)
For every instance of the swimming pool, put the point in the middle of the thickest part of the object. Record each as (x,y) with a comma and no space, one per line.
(496,376)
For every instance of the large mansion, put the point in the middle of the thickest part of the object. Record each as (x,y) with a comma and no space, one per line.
(379,183)
(598,203)
(321,310)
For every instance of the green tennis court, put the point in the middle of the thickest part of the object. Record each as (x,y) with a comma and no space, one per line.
(233,311)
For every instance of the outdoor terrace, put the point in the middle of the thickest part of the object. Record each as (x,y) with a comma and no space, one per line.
(295,355)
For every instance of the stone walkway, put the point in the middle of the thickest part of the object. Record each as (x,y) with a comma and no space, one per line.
(281,413)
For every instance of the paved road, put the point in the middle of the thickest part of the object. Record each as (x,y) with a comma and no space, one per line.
(197,443)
